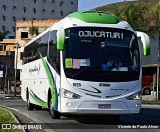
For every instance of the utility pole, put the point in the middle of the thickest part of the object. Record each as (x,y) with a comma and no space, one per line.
(158,71)
(5,81)
(157,79)
(16,59)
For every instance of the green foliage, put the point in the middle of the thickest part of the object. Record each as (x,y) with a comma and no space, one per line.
(135,16)
(4,34)
(6,118)
(142,15)
(33,30)
(154,28)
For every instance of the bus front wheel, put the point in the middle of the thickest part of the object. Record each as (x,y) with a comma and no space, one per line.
(54,114)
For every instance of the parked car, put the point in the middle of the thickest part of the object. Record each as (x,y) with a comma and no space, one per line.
(18,88)
(147,84)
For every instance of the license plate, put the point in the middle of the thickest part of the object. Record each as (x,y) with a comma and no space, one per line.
(104,106)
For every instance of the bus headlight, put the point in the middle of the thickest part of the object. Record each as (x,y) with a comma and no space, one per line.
(135,96)
(70,95)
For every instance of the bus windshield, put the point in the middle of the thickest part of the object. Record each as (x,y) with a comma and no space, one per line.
(101,54)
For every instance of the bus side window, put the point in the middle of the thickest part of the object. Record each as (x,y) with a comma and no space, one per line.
(53,53)
(135,54)
(42,45)
(24,59)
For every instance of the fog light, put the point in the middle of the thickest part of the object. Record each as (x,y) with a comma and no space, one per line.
(68,104)
(136,105)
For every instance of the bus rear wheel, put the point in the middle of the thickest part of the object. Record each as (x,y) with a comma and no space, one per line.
(37,107)
(53,114)
(30,106)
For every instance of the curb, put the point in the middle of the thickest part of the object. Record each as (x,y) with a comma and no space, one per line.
(12,115)
(25,118)
(150,103)
(5,97)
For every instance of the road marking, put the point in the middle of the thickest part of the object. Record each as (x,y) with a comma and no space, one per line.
(12,108)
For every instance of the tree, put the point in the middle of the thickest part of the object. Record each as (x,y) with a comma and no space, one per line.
(134,14)
(142,15)
(4,34)
(33,30)
(154,28)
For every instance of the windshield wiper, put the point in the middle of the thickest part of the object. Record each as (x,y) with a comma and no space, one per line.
(85,70)
(116,45)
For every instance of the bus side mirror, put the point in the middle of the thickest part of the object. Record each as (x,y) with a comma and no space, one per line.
(60,38)
(145,41)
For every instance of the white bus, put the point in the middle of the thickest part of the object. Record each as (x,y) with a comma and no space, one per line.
(87,64)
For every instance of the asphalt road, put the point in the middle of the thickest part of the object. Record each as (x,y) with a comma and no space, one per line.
(150,115)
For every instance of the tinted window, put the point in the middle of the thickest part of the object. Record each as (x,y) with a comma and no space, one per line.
(32,51)
(101,54)
(53,54)
(24,34)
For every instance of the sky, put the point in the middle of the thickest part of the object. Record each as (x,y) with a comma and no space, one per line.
(84,5)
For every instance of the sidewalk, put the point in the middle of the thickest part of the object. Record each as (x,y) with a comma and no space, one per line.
(9,96)
(147,99)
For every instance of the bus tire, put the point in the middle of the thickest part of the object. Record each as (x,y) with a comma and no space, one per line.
(147,91)
(30,106)
(37,107)
(53,114)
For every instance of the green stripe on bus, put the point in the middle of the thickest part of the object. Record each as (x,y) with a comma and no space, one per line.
(39,101)
(51,81)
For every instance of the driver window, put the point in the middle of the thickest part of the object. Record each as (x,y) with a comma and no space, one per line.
(134,54)
(135,58)
(53,53)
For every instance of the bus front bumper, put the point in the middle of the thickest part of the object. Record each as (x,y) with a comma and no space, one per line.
(103,107)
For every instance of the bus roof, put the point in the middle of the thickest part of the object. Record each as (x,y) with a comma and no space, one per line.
(95,17)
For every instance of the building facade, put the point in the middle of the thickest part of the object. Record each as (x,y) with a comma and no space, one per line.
(12,10)
(7,52)
(24,34)
(19,17)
